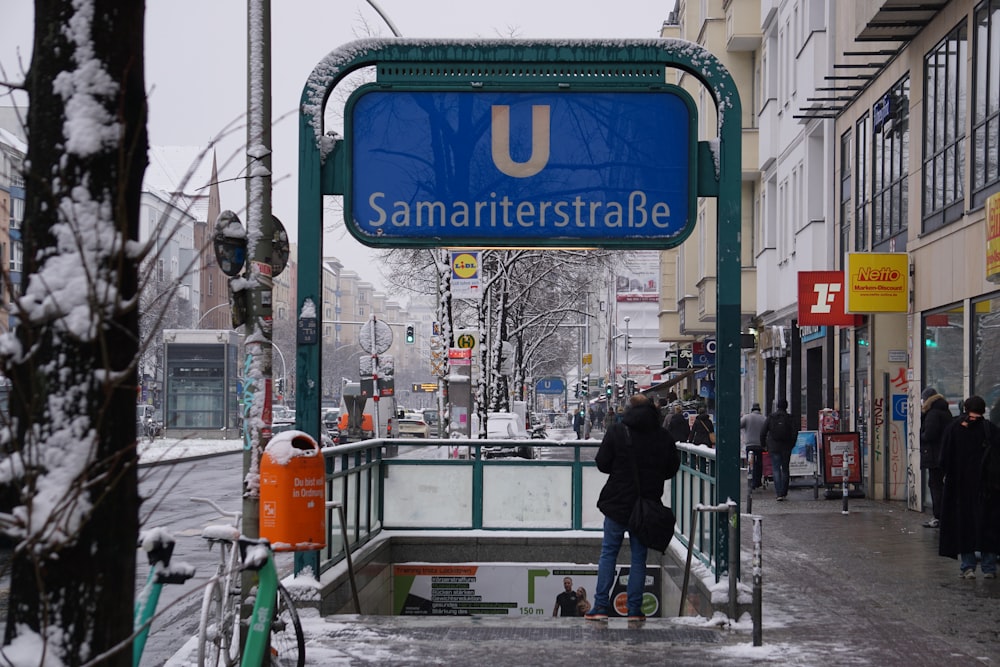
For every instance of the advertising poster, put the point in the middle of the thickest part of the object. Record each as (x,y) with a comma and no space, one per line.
(841,458)
(515,589)
(804,458)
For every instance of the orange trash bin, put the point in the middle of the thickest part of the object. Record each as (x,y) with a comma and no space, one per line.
(293,493)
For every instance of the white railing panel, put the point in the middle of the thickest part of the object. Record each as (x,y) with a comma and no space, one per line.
(422,496)
(528,496)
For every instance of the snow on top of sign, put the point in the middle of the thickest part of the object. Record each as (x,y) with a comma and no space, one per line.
(352,56)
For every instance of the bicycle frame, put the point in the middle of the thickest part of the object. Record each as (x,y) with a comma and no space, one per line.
(226,575)
(257,555)
(159,546)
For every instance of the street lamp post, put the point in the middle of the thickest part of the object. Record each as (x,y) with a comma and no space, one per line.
(628,343)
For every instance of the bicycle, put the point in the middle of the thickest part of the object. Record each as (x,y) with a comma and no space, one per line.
(159,547)
(287,645)
(219,621)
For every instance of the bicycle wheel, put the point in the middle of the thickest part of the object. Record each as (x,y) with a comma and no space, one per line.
(288,644)
(217,638)
(209,642)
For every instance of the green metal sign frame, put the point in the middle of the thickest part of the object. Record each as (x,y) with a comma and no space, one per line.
(527,65)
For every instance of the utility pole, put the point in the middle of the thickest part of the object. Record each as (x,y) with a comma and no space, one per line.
(260,235)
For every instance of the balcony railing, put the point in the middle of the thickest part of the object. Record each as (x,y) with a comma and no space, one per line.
(416,484)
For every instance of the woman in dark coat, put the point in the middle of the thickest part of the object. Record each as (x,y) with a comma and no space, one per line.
(702,429)
(638,442)
(970,515)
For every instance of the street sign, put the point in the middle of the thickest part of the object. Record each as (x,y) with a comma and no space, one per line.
(375,337)
(550,386)
(499,168)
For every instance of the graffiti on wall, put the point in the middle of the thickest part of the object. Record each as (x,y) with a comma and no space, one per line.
(892,457)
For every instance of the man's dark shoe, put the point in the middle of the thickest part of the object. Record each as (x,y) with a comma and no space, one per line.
(596,615)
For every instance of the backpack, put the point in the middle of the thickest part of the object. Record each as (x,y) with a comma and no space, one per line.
(781,427)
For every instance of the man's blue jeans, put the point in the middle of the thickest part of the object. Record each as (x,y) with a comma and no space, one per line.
(779,469)
(614,535)
(988,562)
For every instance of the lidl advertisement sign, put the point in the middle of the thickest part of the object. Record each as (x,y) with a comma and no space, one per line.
(512,590)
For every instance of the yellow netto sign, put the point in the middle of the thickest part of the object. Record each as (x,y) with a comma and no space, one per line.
(877,282)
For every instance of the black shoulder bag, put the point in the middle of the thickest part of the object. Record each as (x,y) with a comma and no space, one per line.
(651,522)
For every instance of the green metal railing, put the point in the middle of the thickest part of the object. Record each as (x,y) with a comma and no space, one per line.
(416,484)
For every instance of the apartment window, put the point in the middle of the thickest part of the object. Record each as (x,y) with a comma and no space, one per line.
(159,270)
(16,212)
(211,285)
(891,147)
(944,130)
(862,143)
(986,110)
(16,256)
(846,205)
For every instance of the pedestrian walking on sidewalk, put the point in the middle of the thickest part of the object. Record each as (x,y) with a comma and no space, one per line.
(779,434)
(752,424)
(935,416)
(678,425)
(970,509)
(637,442)
(702,431)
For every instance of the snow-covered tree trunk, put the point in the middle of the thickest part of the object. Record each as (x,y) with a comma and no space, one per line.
(73,358)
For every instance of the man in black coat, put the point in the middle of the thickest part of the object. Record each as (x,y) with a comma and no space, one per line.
(637,445)
(935,416)
(779,433)
(678,425)
(970,510)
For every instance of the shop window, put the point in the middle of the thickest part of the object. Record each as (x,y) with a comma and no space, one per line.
(986,352)
(943,336)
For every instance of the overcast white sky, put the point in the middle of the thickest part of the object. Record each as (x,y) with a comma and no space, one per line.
(196,65)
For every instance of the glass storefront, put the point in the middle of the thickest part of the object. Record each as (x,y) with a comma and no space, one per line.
(943,333)
(199,395)
(986,352)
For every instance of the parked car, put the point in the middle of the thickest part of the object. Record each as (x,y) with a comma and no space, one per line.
(330,418)
(430,416)
(505,426)
(413,426)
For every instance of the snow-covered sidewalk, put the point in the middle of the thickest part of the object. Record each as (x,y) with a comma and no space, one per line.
(169,449)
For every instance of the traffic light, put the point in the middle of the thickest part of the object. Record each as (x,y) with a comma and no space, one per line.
(628,342)
(410,334)
(621,391)
(576,389)
(609,391)
(585,387)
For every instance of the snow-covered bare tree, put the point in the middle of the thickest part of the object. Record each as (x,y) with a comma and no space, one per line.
(73,357)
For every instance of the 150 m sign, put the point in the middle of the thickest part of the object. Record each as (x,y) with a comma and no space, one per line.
(501,168)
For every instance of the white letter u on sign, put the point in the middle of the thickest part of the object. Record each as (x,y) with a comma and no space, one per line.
(539,142)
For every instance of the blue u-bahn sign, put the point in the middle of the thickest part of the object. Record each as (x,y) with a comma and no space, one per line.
(506,168)
(550,385)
